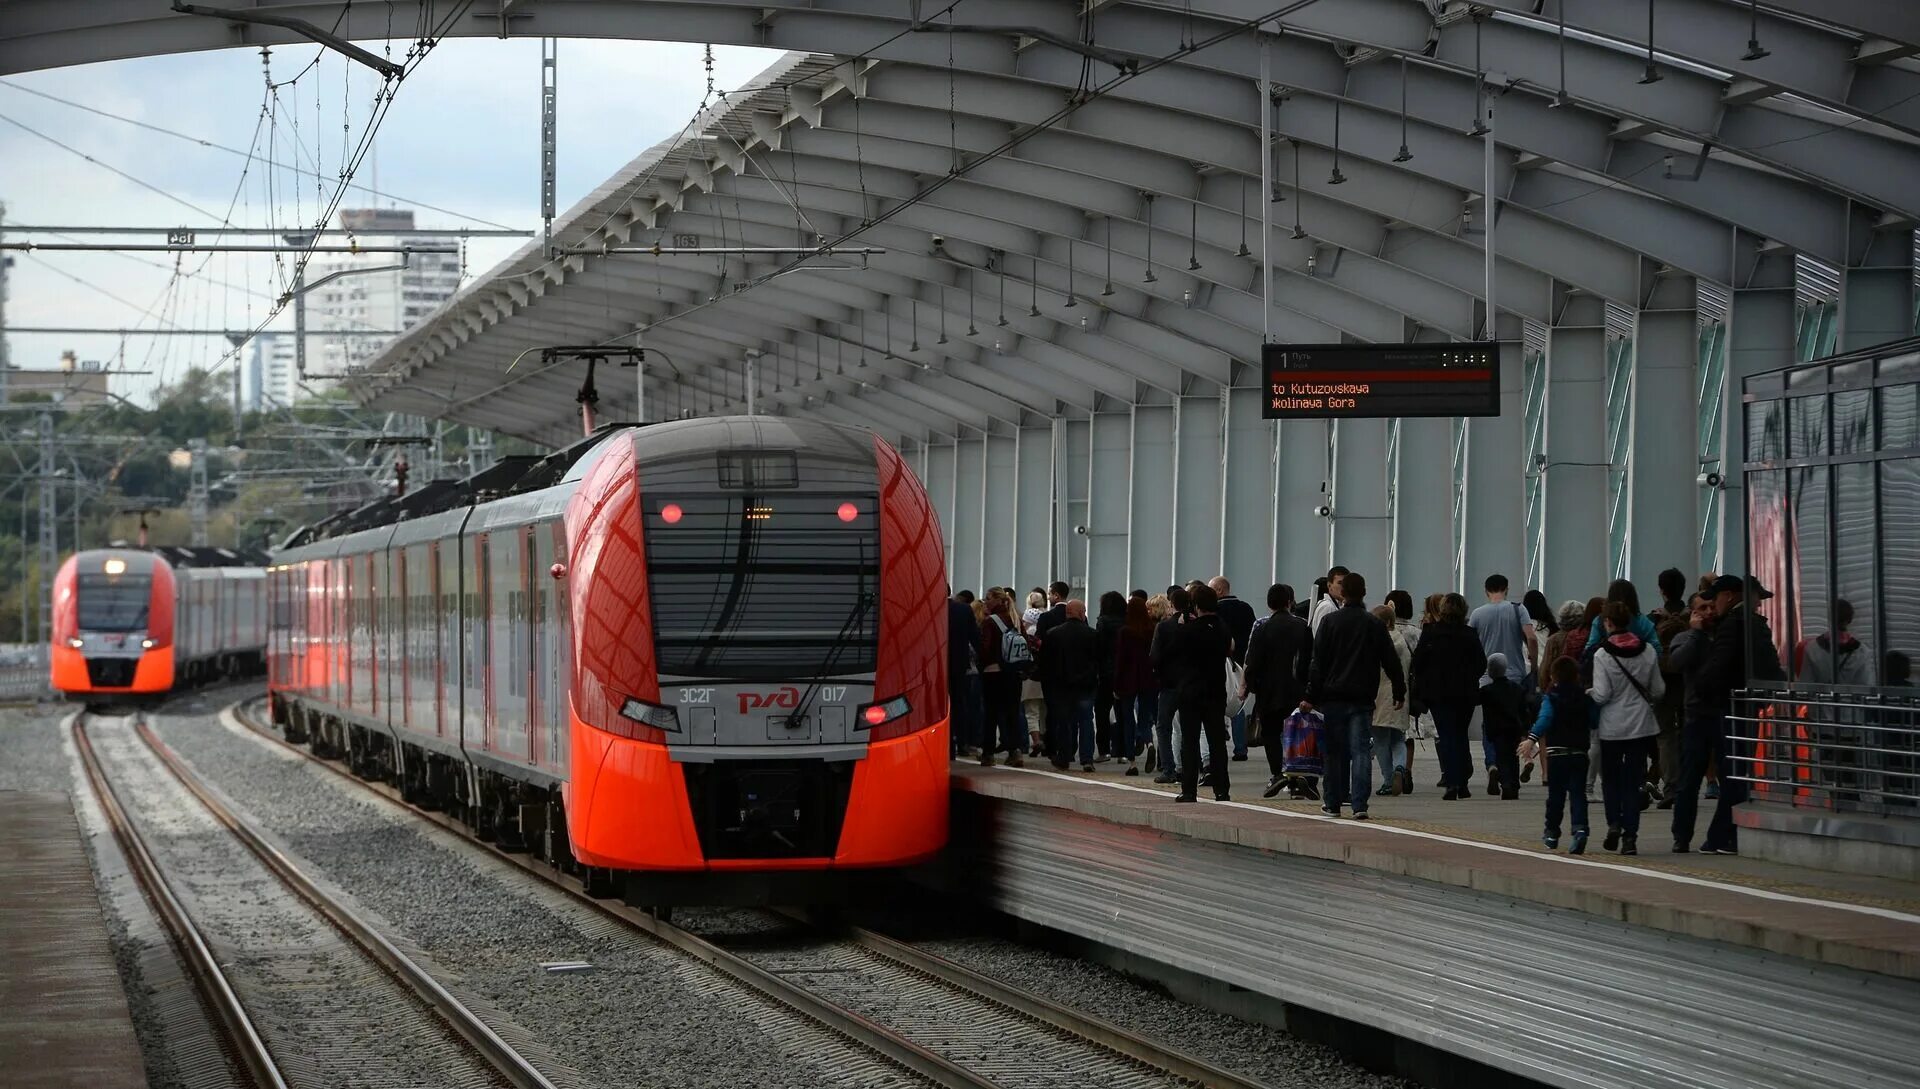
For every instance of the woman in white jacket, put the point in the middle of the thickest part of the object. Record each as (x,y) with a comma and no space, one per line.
(1626,684)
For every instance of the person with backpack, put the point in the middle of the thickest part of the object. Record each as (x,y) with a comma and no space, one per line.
(1559,737)
(1626,685)
(1504,628)
(1005,658)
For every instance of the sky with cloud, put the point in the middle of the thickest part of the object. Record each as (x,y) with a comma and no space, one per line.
(462,134)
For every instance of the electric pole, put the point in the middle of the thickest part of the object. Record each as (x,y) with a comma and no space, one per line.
(197,494)
(479,450)
(6,361)
(49,535)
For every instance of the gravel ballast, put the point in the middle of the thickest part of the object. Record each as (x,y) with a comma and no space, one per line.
(329,1015)
(1251,1050)
(641,1015)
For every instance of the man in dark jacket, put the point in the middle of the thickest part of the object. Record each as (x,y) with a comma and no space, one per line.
(1168,667)
(1204,648)
(1700,734)
(1238,617)
(1279,650)
(1069,659)
(1350,648)
(1056,609)
(1742,649)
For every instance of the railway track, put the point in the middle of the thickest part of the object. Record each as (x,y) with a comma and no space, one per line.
(392,995)
(946,1023)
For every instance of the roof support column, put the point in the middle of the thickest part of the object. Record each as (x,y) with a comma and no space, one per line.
(1876,289)
(1150,550)
(1359,499)
(1198,519)
(1662,522)
(1490,514)
(1109,511)
(1574,479)
(1303,540)
(999,541)
(1247,497)
(1760,337)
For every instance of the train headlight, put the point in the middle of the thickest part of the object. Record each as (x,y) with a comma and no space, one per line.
(883,712)
(76,642)
(146,644)
(114,566)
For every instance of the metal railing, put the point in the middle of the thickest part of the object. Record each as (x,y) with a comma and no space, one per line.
(1822,750)
(23,682)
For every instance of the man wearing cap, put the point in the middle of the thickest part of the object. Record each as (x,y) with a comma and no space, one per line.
(1742,649)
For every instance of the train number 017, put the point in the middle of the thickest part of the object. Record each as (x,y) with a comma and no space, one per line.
(696,695)
(834,695)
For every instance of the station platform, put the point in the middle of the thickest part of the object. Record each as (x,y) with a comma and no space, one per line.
(63,1013)
(1448,926)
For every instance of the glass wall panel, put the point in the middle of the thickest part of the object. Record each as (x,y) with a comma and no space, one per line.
(1770,547)
(1807,434)
(1900,564)
(1899,417)
(1766,430)
(1811,583)
(1853,422)
(1848,651)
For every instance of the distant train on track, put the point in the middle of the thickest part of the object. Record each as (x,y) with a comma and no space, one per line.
(696,662)
(136,623)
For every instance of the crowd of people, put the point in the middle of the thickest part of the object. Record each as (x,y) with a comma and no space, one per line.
(1179,685)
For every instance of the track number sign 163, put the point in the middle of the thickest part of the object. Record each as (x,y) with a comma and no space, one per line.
(1331,381)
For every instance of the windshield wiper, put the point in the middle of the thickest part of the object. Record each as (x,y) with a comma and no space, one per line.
(840,644)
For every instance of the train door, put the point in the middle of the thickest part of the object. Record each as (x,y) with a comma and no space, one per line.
(446,614)
(399,642)
(479,643)
(507,575)
(533,580)
(342,603)
(558,638)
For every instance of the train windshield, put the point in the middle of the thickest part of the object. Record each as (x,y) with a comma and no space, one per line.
(764,587)
(114,602)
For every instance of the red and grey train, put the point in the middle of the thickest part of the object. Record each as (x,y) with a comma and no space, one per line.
(138,622)
(696,662)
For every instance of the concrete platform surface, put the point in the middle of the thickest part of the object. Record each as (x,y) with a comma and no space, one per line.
(1494,846)
(63,1014)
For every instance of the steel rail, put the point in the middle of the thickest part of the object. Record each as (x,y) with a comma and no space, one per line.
(1086,1026)
(838,1019)
(243,1041)
(846,1022)
(497,1053)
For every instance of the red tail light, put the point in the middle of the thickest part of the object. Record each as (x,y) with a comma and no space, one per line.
(671,513)
(848,512)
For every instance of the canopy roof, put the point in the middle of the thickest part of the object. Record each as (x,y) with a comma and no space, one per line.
(1006,148)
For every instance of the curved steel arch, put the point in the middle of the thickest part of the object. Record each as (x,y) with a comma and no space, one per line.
(1810,147)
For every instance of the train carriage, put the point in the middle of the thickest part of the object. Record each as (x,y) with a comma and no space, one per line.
(139,622)
(681,659)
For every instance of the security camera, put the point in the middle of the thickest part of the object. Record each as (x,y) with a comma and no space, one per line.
(1081,530)
(1323,510)
(1709,480)
(939,240)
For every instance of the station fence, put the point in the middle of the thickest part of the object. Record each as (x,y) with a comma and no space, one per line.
(1841,752)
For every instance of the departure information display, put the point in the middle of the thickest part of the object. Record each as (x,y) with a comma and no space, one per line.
(1330,381)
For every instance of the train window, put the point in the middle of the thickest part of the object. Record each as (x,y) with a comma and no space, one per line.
(113,602)
(754,587)
(759,470)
